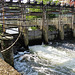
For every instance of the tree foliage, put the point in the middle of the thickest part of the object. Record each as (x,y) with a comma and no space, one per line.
(39,10)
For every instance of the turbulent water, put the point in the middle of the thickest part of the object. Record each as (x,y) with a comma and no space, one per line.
(56,59)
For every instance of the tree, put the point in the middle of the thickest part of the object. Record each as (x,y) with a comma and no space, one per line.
(39,10)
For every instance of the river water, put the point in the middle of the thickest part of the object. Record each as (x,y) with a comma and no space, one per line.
(53,59)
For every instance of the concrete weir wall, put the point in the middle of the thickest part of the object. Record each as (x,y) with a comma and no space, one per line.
(6,69)
(37,35)
(34,34)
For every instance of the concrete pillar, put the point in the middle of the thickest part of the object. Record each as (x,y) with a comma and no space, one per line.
(25,36)
(73,25)
(8,54)
(44,27)
(24,29)
(56,22)
(61,28)
(40,24)
(74,32)
(19,23)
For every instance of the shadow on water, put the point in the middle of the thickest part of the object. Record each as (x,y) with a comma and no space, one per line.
(35,42)
(68,43)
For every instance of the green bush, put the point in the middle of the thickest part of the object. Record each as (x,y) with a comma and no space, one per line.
(34,28)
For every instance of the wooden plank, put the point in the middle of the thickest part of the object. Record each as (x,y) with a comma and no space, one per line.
(36,13)
(10,19)
(5,6)
(10,15)
(30,26)
(7,9)
(10,11)
(9,24)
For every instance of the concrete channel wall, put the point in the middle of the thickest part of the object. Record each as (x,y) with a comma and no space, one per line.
(6,69)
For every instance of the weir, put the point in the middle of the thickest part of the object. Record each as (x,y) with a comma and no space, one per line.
(18,14)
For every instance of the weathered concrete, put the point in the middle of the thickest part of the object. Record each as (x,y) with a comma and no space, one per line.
(73,27)
(74,31)
(7,54)
(61,28)
(45,28)
(25,36)
(6,69)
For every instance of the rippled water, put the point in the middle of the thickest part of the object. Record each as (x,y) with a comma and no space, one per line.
(57,59)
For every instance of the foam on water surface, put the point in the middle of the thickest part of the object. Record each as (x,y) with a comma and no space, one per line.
(56,57)
(47,60)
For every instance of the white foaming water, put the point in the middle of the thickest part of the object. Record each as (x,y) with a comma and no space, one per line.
(56,57)
(46,60)
(12,31)
(29,29)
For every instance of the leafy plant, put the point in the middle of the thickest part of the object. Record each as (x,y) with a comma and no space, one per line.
(39,10)
(52,28)
(51,16)
(34,28)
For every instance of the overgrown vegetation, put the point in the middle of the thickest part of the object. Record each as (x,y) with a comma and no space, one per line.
(51,16)
(39,10)
(45,1)
(0,28)
(51,28)
(66,26)
(34,28)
